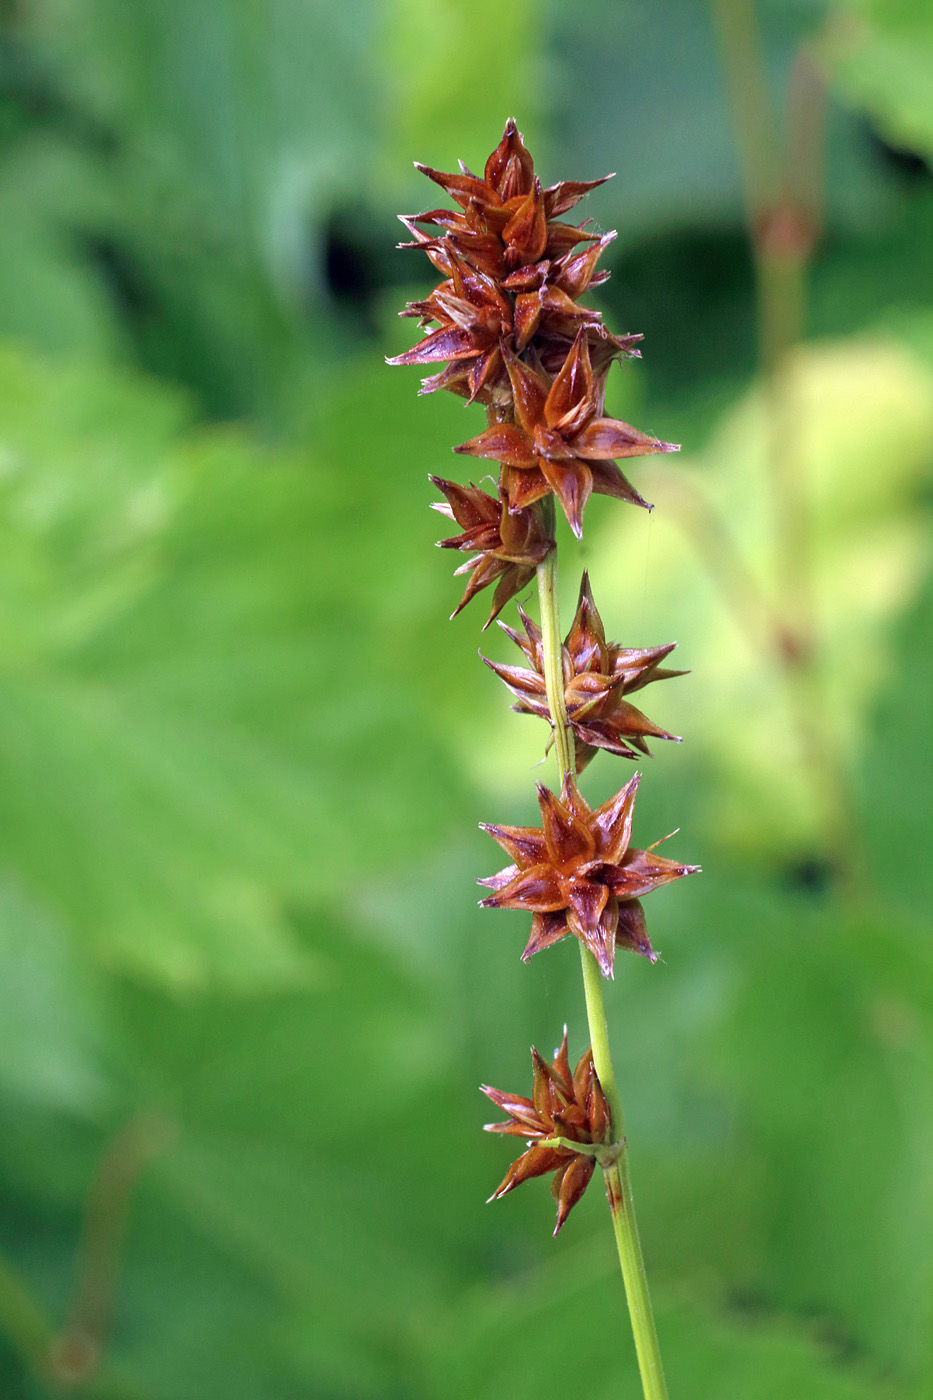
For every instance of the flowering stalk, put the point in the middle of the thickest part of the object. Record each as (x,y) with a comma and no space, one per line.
(515,339)
(616,1172)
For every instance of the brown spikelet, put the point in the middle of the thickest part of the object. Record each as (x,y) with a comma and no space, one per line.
(508,545)
(577,874)
(563,1105)
(598,676)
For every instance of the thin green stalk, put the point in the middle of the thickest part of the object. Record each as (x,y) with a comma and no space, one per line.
(553,663)
(617,1178)
(619,1190)
(747,82)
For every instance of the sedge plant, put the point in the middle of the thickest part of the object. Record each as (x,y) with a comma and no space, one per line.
(506,329)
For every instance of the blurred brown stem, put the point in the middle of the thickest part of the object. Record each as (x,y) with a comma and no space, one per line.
(76,1352)
(71,1359)
(783,195)
(33,1338)
(747,81)
(782,205)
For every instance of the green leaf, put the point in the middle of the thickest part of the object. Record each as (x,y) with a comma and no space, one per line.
(860,433)
(454,76)
(51,1021)
(568,1318)
(881,53)
(49,295)
(896,801)
(827,1055)
(175,666)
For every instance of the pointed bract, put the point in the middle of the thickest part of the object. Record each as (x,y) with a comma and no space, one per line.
(598,676)
(508,330)
(563,1105)
(588,877)
(508,545)
(560,441)
(514,275)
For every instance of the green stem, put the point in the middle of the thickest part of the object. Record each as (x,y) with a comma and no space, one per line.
(605,1153)
(616,1175)
(553,650)
(619,1190)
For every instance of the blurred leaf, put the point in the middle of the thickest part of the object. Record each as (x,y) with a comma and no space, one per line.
(880,283)
(225,135)
(869,545)
(569,1318)
(50,1019)
(829,1054)
(319,1138)
(881,54)
(455,75)
(664,118)
(174,669)
(896,800)
(48,294)
(241,118)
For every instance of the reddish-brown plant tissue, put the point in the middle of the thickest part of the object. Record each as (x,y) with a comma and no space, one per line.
(577,874)
(505,328)
(560,443)
(597,676)
(508,545)
(563,1105)
(512,336)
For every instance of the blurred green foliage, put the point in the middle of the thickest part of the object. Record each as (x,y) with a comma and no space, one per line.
(244,986)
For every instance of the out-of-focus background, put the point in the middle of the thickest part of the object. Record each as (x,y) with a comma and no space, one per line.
(246,996)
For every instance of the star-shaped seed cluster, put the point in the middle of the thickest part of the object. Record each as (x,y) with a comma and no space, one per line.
(560,443)
(507,328)
(507,545)
(563,1105)
(578,874)
(597,675)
